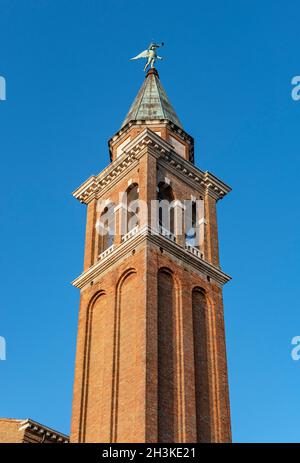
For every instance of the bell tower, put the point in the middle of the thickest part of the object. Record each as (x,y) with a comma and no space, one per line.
(151,355)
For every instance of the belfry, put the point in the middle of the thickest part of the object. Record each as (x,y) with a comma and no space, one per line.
(151,355)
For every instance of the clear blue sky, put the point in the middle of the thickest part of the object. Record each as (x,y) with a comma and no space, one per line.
(228,72)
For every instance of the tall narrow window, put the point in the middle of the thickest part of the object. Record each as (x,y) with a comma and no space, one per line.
(106,228)
(166,210)
(190,224)
(132,200)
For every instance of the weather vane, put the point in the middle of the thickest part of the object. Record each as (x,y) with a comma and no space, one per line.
(150,54)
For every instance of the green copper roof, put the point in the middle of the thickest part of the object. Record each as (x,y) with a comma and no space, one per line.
(151,103)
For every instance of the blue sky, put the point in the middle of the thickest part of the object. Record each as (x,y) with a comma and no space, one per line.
(228,72)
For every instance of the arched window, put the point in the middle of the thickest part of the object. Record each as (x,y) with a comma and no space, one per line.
(191,224)
(106,228)
(132,205)
(166,210)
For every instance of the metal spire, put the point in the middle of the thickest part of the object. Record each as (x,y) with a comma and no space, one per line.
(151,102)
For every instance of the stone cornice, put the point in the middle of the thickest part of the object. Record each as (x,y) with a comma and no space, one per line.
(180,132)
(89,189)
(169,246)
(202,181)
(42,430)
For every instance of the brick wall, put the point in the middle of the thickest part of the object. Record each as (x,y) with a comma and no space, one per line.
(9,431)
(151,355)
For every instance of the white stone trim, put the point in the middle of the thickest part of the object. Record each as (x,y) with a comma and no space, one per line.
(194,250)
(40,429)
(147,234)
(203,181)
(167,233)
(130,234)
(107,251)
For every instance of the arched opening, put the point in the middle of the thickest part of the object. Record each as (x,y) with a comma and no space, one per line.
(106,228)
(128,372)
(201,364)
(98,364)
(166,209)
(132,207)
(191,224)
(166,356)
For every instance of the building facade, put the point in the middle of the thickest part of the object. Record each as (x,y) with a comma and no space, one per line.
(151,355)
(13,431)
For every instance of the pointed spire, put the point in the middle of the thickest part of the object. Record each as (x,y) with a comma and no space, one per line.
(151,102)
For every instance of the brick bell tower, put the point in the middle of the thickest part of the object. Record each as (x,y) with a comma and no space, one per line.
(151,355)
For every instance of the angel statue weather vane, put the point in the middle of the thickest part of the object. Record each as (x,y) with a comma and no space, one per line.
(150,54)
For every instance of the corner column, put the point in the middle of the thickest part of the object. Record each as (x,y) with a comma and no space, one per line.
(90,234)
(147,186)
(211,242)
